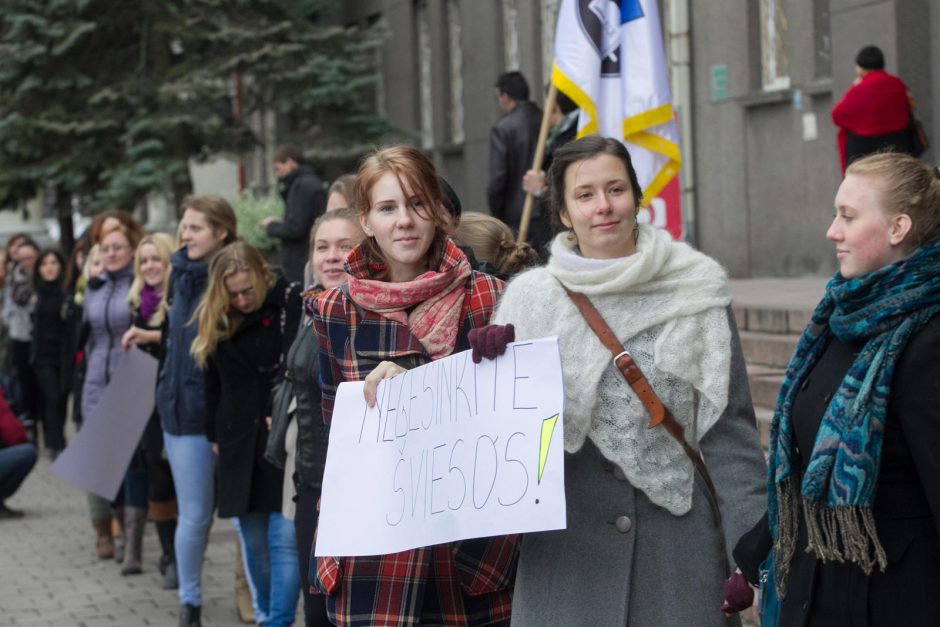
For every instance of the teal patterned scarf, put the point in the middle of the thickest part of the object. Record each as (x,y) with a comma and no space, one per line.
(884,308)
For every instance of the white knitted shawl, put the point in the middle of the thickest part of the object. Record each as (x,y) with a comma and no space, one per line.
(667,305)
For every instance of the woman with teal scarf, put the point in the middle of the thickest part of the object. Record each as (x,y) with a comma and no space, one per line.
(854,472)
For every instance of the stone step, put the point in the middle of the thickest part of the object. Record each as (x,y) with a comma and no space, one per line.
(766,319)
(776,305)
(765,384)
(768,349)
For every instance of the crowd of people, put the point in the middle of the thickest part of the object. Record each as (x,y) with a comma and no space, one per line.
(391,274)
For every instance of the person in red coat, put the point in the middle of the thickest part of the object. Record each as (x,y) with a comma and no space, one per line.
(874,112)
(17,456)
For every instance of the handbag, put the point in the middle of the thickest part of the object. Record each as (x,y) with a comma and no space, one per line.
(768,604)
(659,415)
(919,141)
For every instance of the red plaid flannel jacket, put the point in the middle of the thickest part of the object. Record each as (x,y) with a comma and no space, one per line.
(462,583)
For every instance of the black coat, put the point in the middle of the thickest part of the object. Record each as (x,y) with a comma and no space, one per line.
(512,146)
(49,332)
(239,378)
(906,508)
(304,201)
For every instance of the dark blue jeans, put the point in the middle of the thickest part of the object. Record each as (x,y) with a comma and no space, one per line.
(15,463)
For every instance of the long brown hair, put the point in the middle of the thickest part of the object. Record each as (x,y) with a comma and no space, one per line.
(216,319)
(414,171)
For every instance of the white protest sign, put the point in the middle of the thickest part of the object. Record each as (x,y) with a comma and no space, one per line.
(452,450)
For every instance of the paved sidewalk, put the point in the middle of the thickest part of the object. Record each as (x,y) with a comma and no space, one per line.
(49,574)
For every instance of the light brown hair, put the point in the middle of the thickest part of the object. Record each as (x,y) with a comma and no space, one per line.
(218,213)
(908,186)
(493,241)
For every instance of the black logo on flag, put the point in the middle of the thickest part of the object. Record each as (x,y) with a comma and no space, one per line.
(601,21)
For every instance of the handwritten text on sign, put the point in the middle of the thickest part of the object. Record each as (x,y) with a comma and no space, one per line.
(452,450)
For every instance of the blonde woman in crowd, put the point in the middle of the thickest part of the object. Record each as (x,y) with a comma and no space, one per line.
(148,301)
(298,440)
(247,320)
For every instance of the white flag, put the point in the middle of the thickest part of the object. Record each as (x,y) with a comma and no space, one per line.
(609,59)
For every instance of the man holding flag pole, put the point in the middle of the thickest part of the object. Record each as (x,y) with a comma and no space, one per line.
(610,60)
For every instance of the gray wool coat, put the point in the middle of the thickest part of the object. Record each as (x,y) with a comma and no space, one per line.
(623,560)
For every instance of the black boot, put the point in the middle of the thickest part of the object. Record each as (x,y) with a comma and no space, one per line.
(189,615)
(135,522)
(166,531)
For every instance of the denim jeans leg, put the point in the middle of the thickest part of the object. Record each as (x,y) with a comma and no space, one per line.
(253,530)
(15,463)
(285,574)
(252,588)
(192,463)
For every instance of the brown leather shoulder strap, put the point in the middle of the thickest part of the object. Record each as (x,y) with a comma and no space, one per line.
(641,386)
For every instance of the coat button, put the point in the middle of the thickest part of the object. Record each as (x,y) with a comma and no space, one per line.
(618,474)
(623,524)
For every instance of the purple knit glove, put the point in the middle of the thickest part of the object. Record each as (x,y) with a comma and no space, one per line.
(738,594)
(490,341)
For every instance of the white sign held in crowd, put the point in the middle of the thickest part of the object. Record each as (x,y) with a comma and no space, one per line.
(452,450)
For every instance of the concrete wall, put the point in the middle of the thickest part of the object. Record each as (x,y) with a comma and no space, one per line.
(764,187)
(764,183)
(464,164)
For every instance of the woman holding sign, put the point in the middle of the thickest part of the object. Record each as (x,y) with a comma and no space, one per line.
(648,535)
(411,298)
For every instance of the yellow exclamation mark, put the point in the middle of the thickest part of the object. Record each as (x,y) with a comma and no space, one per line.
(548,428)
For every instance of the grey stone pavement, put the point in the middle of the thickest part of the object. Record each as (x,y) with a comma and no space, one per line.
(49,574)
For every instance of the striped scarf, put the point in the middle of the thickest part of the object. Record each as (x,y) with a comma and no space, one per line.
(885,308)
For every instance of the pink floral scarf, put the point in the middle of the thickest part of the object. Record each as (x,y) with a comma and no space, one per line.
(437,299)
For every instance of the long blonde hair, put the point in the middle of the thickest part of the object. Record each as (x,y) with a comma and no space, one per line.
(216,319)
(164,245)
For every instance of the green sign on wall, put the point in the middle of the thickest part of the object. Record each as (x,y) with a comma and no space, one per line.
(719,87)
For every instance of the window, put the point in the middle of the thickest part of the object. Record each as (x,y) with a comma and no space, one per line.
(425,101)
(549,20)
(455,52)
(510,35)
(775,67)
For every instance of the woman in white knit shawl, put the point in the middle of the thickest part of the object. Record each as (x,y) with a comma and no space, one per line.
(642,544)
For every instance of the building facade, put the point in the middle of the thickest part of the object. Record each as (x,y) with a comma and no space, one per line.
(753,83)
